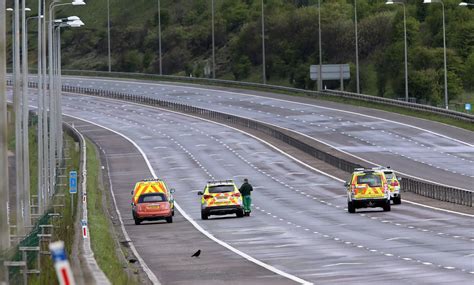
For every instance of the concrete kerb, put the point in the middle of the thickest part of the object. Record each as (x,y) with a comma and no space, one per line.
(97,275)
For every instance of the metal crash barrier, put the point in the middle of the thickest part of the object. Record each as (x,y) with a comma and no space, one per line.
(430,190)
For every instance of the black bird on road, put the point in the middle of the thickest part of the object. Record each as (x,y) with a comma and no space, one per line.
(197,253)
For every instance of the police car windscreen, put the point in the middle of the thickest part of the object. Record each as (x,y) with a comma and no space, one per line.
(372,180)
(221,189)
(152,198)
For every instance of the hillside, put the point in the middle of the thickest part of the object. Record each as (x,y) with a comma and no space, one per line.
(291,42)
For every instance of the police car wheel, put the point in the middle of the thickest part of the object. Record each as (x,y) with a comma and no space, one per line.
(172,213)
(169,220)
(204,216)
(137,221)
(397,200)
(351,208)
(387,207)
(240,214)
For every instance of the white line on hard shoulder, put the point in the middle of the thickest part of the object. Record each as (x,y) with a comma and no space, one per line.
(294,158)
(194,223)
(142,263)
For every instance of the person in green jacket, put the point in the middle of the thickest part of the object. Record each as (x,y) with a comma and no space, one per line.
(245,190)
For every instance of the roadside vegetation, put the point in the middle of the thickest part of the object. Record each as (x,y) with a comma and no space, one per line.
(63,226)
(291,43)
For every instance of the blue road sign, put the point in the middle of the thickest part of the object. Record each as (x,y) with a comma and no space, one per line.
(57,251)
(73,182)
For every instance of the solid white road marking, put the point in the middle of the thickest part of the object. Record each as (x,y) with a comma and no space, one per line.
(294,158)
(343,263)
(191,220)
(292,102)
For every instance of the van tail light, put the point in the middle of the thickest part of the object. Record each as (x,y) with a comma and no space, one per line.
(207,197)
(394,183)
(236,195)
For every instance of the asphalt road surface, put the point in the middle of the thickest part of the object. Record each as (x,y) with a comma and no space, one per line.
(299,223)
(416,147)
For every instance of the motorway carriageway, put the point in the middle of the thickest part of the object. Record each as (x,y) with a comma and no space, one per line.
(299,224)
(411,146)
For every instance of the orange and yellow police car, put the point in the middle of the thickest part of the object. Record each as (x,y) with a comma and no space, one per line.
(221,197)
(367,188)
(151,200)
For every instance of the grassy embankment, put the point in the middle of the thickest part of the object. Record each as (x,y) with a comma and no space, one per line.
(62,226)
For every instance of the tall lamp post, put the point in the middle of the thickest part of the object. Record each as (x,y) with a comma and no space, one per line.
(401,2)
(264,68)
(13,36)
(72,22)
(320,78)
(356,46)
(108,36)
(159,36)
(55,138)
(4,226)
(446,105)
(25,113)
(213,43)
(21,177)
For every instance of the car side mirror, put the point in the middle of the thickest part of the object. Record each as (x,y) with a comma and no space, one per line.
(131,192)
(200,193)
(131,203)
(346,184)
(172,190)
(399,179)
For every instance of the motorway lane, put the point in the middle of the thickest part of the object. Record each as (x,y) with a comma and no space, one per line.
(300,224)
(409,150)
(167,248)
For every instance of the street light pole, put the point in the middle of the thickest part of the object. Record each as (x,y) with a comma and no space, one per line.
(264,68)
(4,226)
(159,35)
(41,172)
(401,2)
(320,78)
(446,99)
(55,126)
(213,43)
(108,35)
(13,44)
(356,47)
(25,132)
(20,223)
(45,112)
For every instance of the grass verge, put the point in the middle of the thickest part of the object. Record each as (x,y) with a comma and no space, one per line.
(103,242)
(63,226)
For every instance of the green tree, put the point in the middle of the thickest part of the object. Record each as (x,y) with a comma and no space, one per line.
(469,73)
(241,68)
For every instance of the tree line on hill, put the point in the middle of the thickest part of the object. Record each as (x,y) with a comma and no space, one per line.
(291,28)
